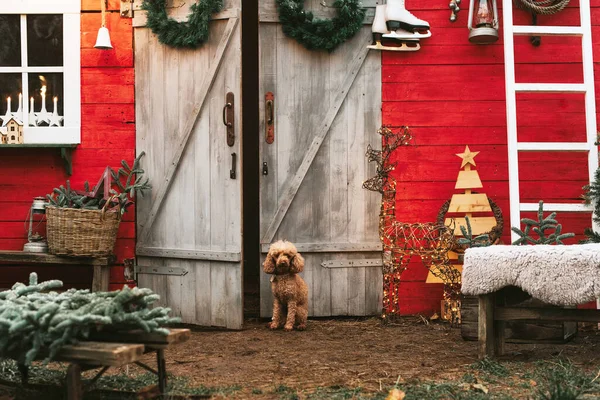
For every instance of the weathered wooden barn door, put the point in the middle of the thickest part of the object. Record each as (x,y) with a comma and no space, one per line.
(189,229)
(324,109)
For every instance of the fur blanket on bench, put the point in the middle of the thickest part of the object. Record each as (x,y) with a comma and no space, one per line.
(560,275)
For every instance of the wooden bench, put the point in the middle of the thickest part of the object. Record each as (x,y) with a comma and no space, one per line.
(493,314)
(109,349)
(101,265)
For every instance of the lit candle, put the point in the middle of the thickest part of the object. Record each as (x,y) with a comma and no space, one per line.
(55,108)
(32,117)
(8,110)
(43,92)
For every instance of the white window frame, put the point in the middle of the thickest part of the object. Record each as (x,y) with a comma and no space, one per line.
(70,132)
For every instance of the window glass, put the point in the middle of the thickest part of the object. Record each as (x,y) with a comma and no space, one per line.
(10,40)
(46,90)
(10,88)
(45,40)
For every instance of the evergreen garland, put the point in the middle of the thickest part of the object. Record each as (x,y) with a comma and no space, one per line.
(592,196)
(189,34)
(320,34)
(32,321)
(540,227)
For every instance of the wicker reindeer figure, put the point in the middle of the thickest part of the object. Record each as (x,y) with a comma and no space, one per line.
(401,240)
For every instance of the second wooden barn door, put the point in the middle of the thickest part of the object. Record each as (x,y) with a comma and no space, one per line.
(189,229)
(324,109)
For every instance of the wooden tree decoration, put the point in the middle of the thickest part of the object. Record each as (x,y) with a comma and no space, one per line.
(487,229)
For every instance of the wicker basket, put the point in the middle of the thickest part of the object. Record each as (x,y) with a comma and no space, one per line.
(81,233)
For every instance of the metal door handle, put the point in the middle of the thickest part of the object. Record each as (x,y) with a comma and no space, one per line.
(225,107)
(269,112)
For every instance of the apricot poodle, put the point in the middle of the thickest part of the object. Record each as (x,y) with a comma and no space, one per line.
(290,293)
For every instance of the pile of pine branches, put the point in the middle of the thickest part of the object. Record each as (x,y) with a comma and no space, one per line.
(36,321)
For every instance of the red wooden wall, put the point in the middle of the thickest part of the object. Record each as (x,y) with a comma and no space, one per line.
(451,93)
(107,137)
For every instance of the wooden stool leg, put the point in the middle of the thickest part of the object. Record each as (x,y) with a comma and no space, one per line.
(162,371)
(24,371)
(486,326)
(499,326)
(74,385)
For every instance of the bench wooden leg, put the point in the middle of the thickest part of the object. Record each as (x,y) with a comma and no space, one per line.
(74,385)
(486,326)
(24,371)
(162,371)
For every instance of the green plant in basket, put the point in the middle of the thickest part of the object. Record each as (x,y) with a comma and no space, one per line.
(126,182)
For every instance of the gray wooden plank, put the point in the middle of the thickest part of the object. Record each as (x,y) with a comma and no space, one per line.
(202,293)
(189,254)
(293,185)
(187,131)
(268,10)
(140,18)
(325,247)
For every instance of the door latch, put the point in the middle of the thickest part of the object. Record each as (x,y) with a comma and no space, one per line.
(265,168)
(233,164)
(269,118)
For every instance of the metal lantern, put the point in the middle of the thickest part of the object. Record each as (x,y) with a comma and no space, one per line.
(36,243)
(483,21)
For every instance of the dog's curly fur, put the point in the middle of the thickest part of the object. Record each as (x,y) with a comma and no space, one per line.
(290,293)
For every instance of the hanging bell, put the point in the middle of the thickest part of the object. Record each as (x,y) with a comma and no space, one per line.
(103,39)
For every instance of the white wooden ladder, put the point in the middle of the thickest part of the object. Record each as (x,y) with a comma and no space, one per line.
(512,88)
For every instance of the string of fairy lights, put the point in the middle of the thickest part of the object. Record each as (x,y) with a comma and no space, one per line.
(401,241)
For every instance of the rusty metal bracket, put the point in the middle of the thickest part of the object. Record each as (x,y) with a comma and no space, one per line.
(269,117)
(229,117)
(126,9)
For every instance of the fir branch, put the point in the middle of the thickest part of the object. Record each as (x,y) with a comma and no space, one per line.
(468,240)
(33,320)
(540,227)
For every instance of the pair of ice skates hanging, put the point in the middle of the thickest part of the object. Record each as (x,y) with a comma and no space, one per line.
(396,29)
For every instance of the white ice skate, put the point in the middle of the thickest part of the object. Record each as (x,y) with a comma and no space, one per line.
(380,32)
(401,23)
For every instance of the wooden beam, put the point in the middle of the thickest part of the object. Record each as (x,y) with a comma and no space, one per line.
(151,340)
(355,263)
(140,18)
(204,90)
(101,278)
(289,192)
(44,258)
(331,247)
(546,314)
(100,353)
(189,254)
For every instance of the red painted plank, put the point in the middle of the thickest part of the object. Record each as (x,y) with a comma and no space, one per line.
(94,5)
(107,76)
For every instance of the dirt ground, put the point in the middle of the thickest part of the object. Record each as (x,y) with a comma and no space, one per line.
(353,353)
(350,358)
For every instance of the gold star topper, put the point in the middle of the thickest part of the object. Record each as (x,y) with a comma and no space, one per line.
(468,157)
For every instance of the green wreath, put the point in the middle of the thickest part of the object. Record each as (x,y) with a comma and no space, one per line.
(191,33)
(320,34)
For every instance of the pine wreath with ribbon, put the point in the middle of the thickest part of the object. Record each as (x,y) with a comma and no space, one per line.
(187,34)
(320,34)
